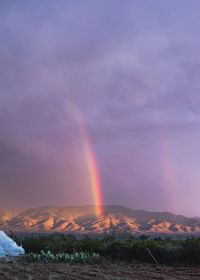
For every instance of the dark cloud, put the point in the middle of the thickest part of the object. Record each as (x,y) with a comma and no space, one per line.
(132,68)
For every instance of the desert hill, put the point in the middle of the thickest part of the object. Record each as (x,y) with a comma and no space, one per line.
(81,219)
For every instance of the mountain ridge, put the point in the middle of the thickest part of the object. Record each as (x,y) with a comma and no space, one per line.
(81,219)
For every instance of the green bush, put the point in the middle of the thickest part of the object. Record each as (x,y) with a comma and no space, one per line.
(124,247)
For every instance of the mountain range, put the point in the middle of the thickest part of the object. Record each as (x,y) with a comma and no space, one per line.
(81,219)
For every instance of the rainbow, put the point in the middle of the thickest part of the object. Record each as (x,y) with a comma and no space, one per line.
(90,160)
(168,171)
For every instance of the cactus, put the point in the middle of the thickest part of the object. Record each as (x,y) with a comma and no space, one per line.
(48,257)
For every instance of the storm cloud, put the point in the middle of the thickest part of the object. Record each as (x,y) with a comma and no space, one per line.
(132,68)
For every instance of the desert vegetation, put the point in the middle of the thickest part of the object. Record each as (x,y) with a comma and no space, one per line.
(111,248)
(49,257)
(116,257)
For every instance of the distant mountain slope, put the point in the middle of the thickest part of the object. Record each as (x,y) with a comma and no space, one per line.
(82,220)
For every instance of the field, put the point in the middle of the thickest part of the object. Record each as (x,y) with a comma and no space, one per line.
(21,270)
(116,256)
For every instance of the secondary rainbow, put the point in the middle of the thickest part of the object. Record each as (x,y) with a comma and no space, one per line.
(90,160)
(168,171)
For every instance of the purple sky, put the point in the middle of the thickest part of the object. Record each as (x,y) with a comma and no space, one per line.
(133,69)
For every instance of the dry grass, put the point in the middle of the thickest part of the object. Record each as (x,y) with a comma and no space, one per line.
(19,270)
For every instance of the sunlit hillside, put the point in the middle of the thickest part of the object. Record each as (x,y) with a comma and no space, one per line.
(83,220)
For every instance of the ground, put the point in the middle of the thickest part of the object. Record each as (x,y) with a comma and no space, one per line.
(20,270)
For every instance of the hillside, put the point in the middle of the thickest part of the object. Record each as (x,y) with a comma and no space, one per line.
(82,220)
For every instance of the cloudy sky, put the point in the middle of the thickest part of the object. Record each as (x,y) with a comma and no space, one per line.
(133,70)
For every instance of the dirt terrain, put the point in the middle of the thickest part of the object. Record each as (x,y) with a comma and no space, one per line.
(17,270)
